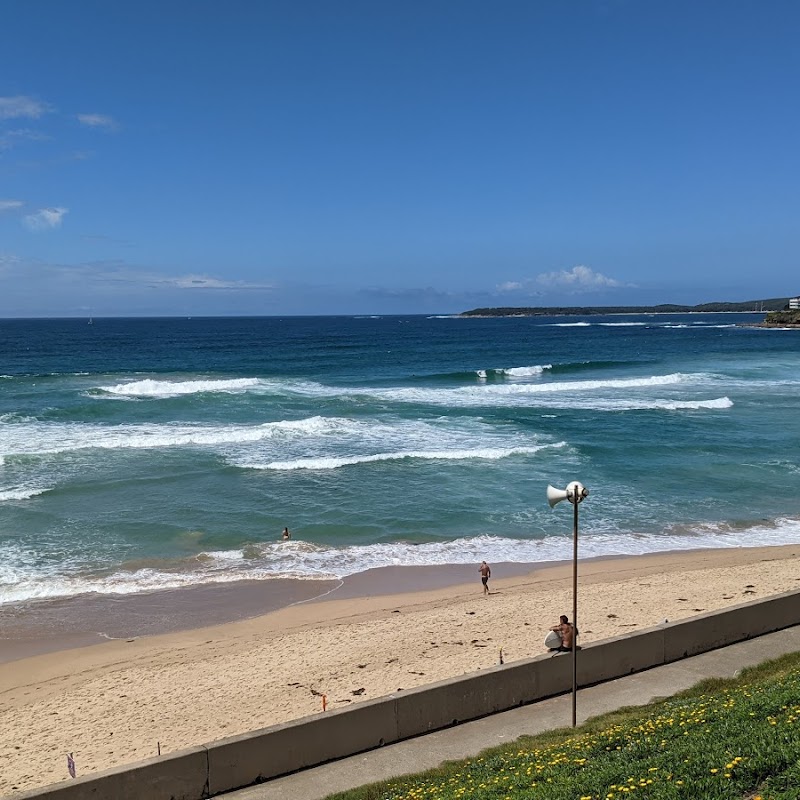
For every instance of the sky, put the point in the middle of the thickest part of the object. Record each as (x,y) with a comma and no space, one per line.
(284,157)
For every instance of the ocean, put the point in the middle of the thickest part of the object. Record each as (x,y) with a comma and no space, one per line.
(149,454)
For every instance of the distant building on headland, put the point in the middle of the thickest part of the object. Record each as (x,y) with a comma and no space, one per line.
(794,304)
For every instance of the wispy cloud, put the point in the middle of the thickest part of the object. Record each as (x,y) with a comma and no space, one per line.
(9,139)
(120,272)
(10,205)
(107,274)
(45,219)
(204,282)
(20,107)
(510,286)
(98,121)
(8,262)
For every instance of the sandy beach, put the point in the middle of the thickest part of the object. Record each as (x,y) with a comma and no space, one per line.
(376,633)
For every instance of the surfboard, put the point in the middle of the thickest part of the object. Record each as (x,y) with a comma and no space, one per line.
(552,640)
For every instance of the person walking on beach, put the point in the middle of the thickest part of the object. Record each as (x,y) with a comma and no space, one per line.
(486,573)
(566,631)
(286,535)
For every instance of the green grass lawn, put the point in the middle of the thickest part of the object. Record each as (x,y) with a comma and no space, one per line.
(734,739)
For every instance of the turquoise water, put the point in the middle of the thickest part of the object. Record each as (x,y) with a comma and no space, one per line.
(139,454)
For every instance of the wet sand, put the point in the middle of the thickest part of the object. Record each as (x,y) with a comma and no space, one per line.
(28,629)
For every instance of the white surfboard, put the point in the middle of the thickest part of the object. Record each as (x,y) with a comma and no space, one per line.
(552,640)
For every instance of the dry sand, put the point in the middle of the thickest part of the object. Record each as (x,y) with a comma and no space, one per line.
(112,703)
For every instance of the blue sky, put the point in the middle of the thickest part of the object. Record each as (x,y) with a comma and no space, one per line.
(338,156)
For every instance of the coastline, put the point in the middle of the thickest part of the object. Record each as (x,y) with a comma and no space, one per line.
(50,626)
(112,703)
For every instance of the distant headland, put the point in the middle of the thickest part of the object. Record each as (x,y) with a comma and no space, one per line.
(779,304)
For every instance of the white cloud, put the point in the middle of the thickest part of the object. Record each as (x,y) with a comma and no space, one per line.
(20,106)
(45,219)
(98,121)
(579,278)
(10,205)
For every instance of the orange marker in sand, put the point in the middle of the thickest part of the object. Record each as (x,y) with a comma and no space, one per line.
(324,702)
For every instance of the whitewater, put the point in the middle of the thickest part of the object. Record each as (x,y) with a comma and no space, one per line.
(140,455)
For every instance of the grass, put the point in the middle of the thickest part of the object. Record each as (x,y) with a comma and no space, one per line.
(733,739)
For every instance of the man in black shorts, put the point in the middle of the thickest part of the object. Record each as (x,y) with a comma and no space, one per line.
(486,573)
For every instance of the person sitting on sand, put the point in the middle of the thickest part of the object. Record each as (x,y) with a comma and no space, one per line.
(486,573)
(286,535)
(566,631)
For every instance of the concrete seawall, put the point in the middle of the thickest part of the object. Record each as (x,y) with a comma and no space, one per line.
(238,761)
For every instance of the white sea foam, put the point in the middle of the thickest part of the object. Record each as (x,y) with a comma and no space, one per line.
(514,372)
(487,394)
(526,372)
(655,404)
(560,394)
(489,453)
(569,324)
(622,324)
(49,438)
(19,493)
(22,579)
(156,388)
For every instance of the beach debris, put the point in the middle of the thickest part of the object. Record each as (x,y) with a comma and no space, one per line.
(411,672)
(358,691)
(324,702)
(748,591)
(500,661)
(611,616)
(391,661)
(361,666)
(296,683)
(470,613)
(396,611)
(315,692)
(683,599)
(749,586)
(698,609)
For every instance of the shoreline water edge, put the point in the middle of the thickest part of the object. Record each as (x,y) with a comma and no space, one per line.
(111,703)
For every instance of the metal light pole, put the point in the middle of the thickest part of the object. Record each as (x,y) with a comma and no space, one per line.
(575,492)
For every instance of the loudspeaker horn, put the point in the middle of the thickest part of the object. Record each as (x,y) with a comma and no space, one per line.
(555,496)
(575,491)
